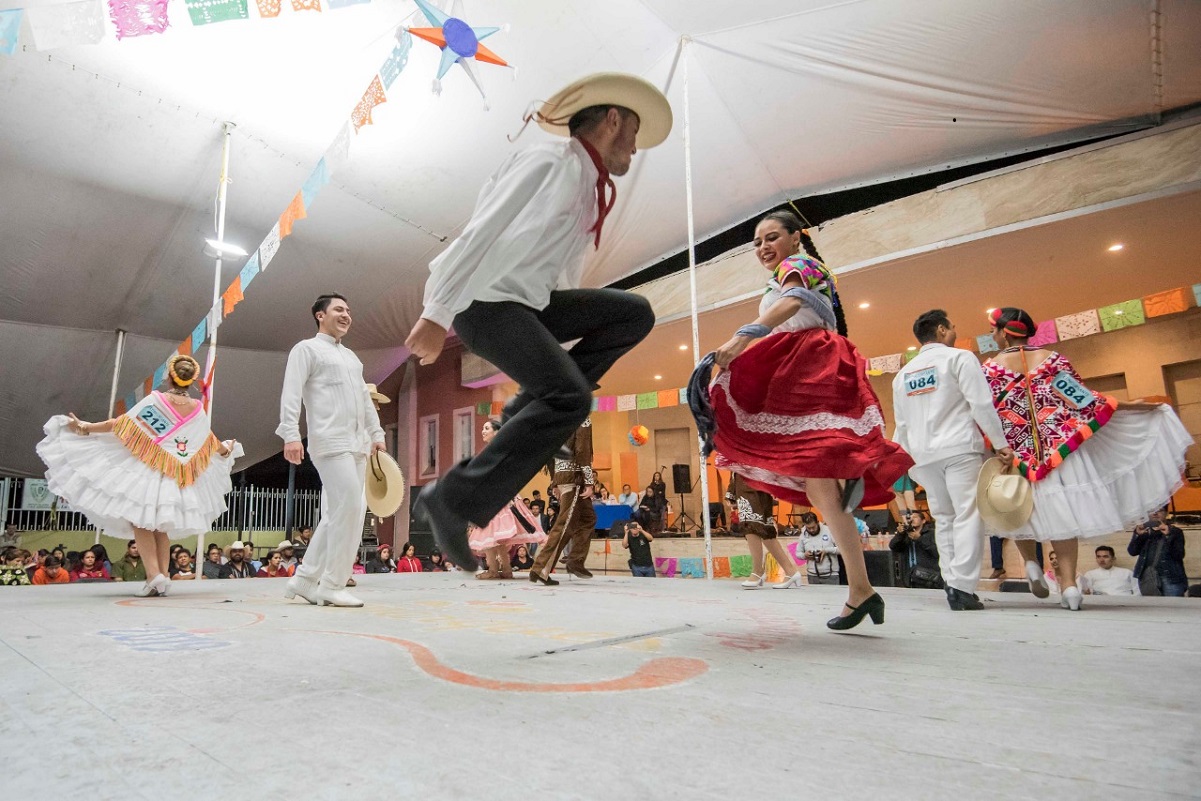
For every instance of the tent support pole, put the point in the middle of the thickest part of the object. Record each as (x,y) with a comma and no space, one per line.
(112,392)
(210,363)
(696,336)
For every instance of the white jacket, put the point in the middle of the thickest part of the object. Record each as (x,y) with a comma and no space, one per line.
(942,403)
(327,377)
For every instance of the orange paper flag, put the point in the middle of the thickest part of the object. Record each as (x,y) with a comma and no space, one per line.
(669,397)
(232,296)
(185,347)
(148,385)
(1171,302)
(721,567)
(371,98)
(119,408)
(295,211)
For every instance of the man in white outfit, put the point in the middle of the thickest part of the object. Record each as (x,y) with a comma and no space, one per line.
(1108,579)
(343,430)
(942,403)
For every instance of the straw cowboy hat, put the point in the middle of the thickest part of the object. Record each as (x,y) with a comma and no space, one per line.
(611,89)
(376,395)
(1005,498)
(385,485)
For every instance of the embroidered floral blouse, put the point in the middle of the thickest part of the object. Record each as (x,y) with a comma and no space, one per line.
(1067,412)
(814,277)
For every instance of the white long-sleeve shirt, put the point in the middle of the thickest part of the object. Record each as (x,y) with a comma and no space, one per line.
(527,236)
(1115,581)
(327,377)
(942,403)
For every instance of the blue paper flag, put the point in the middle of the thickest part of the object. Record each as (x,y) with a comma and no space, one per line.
(131,400)
(344,3)
(198,334)
(252,268)
(160,373)
(692,566)
(10,30)
(313,183)
(986,344)
(397,60)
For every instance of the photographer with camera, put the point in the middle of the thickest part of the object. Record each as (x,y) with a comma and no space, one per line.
(1159,547)
(638,541)
(917,552)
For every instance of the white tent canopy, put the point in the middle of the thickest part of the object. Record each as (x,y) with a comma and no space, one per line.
(109,155)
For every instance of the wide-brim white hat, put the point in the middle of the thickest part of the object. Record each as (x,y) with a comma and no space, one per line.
(385,485)
(611,89)
(1005,499)
(376,395)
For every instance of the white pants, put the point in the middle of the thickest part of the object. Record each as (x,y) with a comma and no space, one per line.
(958,529)
(329,559)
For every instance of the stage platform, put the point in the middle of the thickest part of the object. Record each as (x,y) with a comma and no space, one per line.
(614,688)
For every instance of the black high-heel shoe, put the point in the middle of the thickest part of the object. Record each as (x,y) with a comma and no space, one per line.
(873,607)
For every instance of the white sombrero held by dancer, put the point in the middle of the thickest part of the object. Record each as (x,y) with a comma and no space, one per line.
(155,473)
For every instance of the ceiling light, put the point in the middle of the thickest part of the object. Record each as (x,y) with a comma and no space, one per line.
(216,249)
(989,311)
(1116,248)
(911,347)
(683,347)
(658,378)
(864,305)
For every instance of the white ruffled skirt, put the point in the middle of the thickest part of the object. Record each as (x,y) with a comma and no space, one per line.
(1113,481)
(98,476)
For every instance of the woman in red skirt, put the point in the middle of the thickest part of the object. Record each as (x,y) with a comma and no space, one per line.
(795,415)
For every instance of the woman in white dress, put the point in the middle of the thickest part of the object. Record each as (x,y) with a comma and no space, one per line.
(1097,465)
(154,473)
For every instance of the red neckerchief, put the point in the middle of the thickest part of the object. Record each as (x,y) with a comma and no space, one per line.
(602,180)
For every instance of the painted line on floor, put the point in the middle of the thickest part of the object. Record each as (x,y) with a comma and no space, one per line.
(656,673)
(614,641)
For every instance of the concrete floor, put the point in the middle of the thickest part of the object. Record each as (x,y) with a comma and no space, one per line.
(617,688)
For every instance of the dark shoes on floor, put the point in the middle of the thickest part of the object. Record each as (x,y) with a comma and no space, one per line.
(579,571)
(873,607)
(961,601)
(450,530)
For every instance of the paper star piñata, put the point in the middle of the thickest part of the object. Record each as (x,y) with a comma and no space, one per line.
(459,42)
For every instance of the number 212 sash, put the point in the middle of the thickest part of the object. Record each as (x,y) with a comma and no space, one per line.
(179,447)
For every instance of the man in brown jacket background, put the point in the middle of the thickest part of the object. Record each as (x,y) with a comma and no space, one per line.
(576,520)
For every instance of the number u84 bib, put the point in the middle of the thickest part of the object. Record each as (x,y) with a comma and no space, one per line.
(919,382)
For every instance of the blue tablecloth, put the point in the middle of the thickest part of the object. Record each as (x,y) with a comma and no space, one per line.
(606,516)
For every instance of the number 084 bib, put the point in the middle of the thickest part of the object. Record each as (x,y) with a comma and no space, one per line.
(919,382)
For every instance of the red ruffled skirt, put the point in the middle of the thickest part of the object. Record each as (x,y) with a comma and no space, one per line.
(799,405)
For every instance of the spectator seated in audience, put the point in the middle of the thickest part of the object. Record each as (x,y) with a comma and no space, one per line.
(33,563)
(287,552)
(917,552)
(521,559)
(628,497)
(211,569)
(11,538)
(51,572)
(435,563)
(102,557)
(358,568)
(90,568)
(12,568)
(250,557)
(238,565)
(408,561)
(182,569)
(72,561)
(382,561)
(273,567)
(130,567)
(1107,579)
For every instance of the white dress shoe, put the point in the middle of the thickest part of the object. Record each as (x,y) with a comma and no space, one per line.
(754,582)
(792,581)
(338,597)
(298,586)
(1038,581)
(160,584)
(1071,599)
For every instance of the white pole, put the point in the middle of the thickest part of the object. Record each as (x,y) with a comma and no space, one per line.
(112,392)
(222,184)
(696,335)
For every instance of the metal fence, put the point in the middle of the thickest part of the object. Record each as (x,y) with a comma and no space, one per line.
(26,504)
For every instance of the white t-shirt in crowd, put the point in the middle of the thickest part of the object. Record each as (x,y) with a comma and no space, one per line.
(1115,581)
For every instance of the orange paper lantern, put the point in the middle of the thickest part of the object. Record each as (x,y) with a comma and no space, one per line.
(639,435)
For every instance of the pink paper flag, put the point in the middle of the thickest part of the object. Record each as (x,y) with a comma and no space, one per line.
(1044,334)
(138,17)
(606,403)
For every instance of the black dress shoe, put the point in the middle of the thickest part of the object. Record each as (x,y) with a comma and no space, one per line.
(450,530)
(536,577)
(873,607)
(579,571)
(961,601)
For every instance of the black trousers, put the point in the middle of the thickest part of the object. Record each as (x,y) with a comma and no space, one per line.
(556,385)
